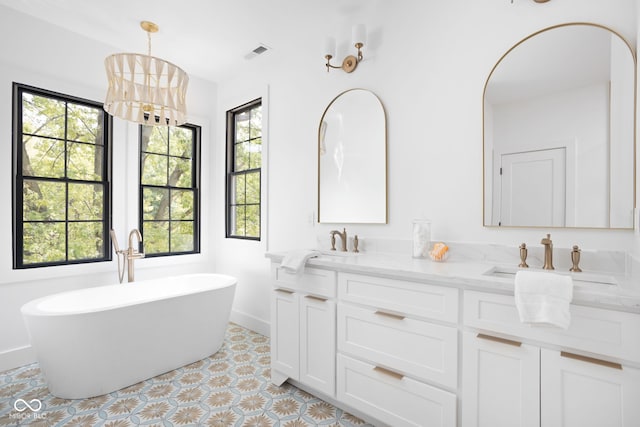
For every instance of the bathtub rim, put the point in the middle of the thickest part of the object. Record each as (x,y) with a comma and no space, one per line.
(31,308)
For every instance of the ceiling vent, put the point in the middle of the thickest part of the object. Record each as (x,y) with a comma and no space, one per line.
(257,51)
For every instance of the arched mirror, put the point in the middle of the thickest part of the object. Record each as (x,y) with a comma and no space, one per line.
(559,131)
(352,160)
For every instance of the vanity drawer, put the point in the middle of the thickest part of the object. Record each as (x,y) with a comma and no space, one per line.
(311,280)
(414,347)
(400,296)
(595,330)
(392,398)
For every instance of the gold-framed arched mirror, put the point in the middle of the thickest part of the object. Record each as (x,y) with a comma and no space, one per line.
(352,160)
(559,131)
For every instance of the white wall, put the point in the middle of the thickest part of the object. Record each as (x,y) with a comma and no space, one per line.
(428,62)
(65,62)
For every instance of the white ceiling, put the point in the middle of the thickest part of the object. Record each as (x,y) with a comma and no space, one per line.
(208,38)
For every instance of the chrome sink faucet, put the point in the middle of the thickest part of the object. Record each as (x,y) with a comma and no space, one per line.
(133,254)
(343,239)
(548,253)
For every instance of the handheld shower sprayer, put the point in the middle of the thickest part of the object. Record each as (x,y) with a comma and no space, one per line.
(114,241)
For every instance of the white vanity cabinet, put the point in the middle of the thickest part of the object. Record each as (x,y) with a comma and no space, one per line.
(578,377)
(397,360)
(303,325)
(501,382)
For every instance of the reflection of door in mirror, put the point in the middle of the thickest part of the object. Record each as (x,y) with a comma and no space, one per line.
(532,186)
(352,160)
(571,87)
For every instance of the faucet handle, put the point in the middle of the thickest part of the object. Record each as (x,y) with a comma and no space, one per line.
(546,240)
(575,259)
(523,256)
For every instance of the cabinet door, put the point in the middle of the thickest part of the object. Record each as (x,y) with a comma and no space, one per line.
(285,341)
(501,383)
(318,343)
(582,392)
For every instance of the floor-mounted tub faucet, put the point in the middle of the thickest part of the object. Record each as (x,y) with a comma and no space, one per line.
(128,255)
(133,254)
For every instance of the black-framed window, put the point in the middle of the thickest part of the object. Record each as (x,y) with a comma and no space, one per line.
(61,179)
(244,168)
(170,189)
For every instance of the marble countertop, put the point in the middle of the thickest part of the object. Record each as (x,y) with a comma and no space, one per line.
(624,295)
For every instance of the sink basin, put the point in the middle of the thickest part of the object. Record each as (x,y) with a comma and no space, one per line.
(338,254)
(578,278)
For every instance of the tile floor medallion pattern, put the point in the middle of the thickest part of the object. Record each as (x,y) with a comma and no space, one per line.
(229,388)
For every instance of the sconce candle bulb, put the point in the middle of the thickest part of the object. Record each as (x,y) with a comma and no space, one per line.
(350,62)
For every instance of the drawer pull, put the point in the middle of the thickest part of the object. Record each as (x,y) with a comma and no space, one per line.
(500,340)
(591,360)
(388,372)
(390,315)
(313,297)
(284,291)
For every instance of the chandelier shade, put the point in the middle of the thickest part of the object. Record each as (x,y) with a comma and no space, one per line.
(145,89)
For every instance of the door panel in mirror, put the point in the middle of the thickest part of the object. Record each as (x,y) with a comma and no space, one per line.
(570,87)
(352,160)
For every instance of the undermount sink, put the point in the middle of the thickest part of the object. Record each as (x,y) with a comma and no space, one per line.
(580,278)
(339,254)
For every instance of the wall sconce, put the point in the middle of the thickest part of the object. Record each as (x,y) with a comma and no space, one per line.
(350,62)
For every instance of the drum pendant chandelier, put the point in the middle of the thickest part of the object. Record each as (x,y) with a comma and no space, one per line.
(145,89)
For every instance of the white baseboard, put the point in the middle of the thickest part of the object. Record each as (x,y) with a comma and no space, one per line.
(250,322)
(16,357)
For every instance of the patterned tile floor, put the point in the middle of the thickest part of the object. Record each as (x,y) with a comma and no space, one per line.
(230,388)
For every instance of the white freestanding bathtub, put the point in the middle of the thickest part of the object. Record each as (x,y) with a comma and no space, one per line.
(94,341)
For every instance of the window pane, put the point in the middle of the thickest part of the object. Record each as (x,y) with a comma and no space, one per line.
(155,203)
(85,202)
(255,153)
(181,142)
(238,220)
(182,236)
(154,170)
(43,242)
(86,240)
(85,162)
(238,189)
(253,221)
(256,123)
(156,237)
(62,182)
(179,172)
(43,157)
(253,187)
(241,156)
(155,139)
(242,127)
(181,205)
(84,124)
(42,116)
(43,201)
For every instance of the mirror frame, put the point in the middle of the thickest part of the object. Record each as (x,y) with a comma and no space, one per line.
(635,87)
(386,160)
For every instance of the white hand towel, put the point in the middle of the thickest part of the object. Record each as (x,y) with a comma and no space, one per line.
(543,298)
(293,261)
